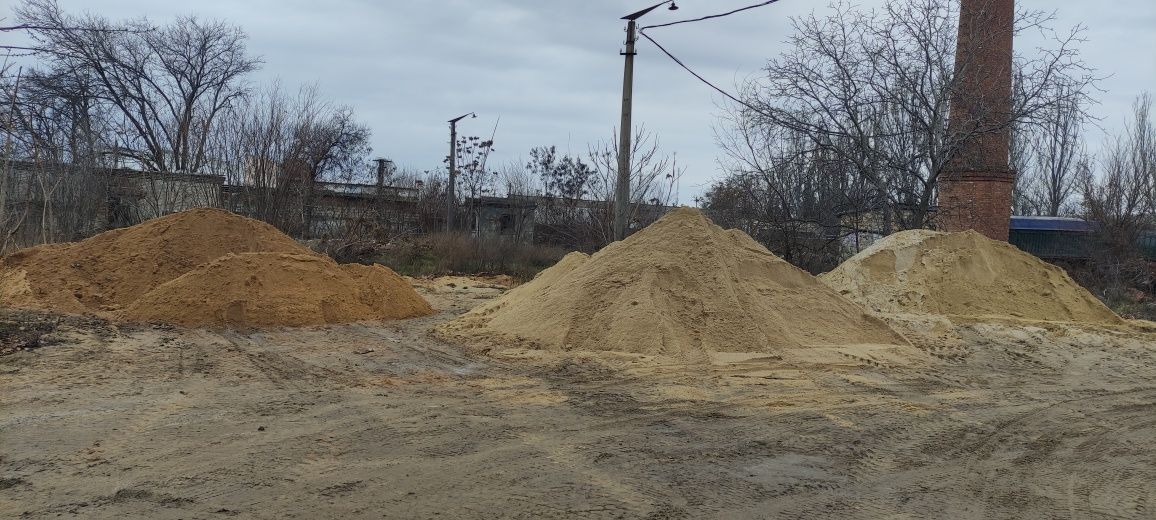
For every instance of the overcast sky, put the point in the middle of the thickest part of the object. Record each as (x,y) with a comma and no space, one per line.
(551,69)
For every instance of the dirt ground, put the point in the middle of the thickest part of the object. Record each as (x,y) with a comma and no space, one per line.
(370,421)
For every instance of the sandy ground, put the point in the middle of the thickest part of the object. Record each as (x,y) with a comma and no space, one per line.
(370,421)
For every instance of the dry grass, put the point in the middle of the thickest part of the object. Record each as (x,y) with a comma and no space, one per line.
(449,253)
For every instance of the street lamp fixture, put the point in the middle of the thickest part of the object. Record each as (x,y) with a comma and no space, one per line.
(637,15)
(461,117)
(622,188)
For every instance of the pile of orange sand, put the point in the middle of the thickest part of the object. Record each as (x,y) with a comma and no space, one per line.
(203,267)
(279,289)
(962,274)
(683,287)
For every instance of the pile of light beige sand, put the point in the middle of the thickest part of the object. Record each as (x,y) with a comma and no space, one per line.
(963,274)
(683,288)
(203,267)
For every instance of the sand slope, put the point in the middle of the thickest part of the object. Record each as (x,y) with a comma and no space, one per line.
(682,287)
(257,289)
(112,269)
(966,273)
(203,267)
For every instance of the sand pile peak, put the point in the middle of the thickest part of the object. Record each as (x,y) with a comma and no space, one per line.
(259,289)
(683,287)
(120,273)
(965,274)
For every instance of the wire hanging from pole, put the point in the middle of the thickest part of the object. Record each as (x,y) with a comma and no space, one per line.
(702,79)
(697,76)
(711,16)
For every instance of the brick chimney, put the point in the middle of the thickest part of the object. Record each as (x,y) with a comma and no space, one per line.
(975,189)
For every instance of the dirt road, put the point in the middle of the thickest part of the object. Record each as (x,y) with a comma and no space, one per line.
(372,421)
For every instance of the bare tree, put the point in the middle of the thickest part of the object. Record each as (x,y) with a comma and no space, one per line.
(473,176)
(874,90)
(276,149)
(514,179)
(169,83)
(575,195)
(1058,155)
(169,99)
(56,136)
(428,211)
(1021,159)
(327,144)
(653,175)
(799,200)
(564,212)
(1121,199)
(10,220)
(654,181)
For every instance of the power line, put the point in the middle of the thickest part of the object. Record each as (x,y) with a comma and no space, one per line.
(702,79)
(698,76)
(688,69)
(708,17)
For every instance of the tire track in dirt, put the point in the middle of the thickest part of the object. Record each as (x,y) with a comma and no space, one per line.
(287,370)
(1081,432)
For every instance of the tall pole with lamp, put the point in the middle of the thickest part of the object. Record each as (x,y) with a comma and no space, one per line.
(451,197)
(622,188)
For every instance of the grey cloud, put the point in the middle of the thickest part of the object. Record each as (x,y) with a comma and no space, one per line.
(551,69)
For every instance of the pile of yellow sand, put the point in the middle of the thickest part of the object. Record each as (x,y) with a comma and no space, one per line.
(965,274)
(683,287)
(147,272)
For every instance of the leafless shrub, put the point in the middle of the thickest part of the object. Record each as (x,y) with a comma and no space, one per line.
(1049,157)
(1120,199)
(446,253)
(799,201)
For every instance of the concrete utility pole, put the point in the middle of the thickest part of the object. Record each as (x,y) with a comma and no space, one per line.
(451,197)
(382,171)
(622,188)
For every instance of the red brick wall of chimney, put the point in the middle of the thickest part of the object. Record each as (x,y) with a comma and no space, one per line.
(975,190)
